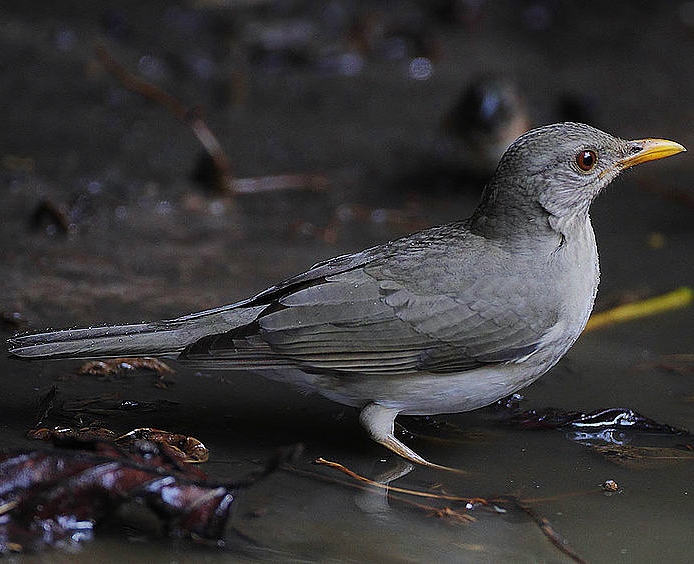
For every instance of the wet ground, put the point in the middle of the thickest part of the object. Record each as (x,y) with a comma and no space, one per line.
(103,221)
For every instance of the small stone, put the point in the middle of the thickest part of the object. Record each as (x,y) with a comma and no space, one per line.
(610,486)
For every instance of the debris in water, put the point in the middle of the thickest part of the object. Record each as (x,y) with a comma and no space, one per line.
(59,496)
(124,364)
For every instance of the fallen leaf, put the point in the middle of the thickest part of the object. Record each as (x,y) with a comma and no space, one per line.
(182,447)
(60,495)
(112,366)
(188,449)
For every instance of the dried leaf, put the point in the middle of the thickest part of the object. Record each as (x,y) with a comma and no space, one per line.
(595,422)
(453,515)
(188,449)
(181,447)
(112,366)
(48,497)
(64,433)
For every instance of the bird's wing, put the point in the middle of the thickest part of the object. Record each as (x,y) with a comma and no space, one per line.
(477,327)
(374,314)
(337,322)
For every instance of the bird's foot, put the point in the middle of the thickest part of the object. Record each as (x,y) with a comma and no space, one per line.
(379,422)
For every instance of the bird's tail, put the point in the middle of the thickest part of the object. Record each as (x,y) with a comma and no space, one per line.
(160,338)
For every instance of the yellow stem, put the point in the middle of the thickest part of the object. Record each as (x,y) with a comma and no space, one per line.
(676,299)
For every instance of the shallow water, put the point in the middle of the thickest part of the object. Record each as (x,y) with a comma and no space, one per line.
(146,242)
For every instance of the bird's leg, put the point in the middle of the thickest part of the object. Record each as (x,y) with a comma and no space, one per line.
(379,422)
(375,500)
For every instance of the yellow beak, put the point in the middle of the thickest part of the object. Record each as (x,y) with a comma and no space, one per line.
(651,150)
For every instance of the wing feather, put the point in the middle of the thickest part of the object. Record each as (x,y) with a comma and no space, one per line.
(389,310)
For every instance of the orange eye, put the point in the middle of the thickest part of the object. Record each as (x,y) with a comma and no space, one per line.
(586,160)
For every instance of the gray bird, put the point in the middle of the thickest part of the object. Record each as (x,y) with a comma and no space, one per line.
(441,321)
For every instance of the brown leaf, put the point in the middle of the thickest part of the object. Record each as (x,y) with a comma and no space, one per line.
(181,447)
(60,495)
(188,449)
(64,433)
(112,366)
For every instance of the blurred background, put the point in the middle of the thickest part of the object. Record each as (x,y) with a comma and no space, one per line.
(341,124)
(390,114)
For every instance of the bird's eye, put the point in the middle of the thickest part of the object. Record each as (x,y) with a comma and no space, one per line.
(586,160)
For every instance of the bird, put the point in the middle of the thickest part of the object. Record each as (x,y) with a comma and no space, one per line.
(444,320)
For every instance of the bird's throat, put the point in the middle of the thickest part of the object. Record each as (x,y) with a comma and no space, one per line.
(514,225)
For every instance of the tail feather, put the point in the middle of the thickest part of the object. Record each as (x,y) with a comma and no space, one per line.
(99,342)
(161,338)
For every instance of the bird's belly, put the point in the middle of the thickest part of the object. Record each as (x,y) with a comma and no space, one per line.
(421,393)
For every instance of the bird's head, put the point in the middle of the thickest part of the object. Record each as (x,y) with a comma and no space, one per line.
(561,168)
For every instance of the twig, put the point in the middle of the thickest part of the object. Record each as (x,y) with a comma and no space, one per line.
(680,298)
(391,492)
(191,117)
(45,406)
(363,479)
(542,522)
(547,529)
(257,184)
(224,178)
